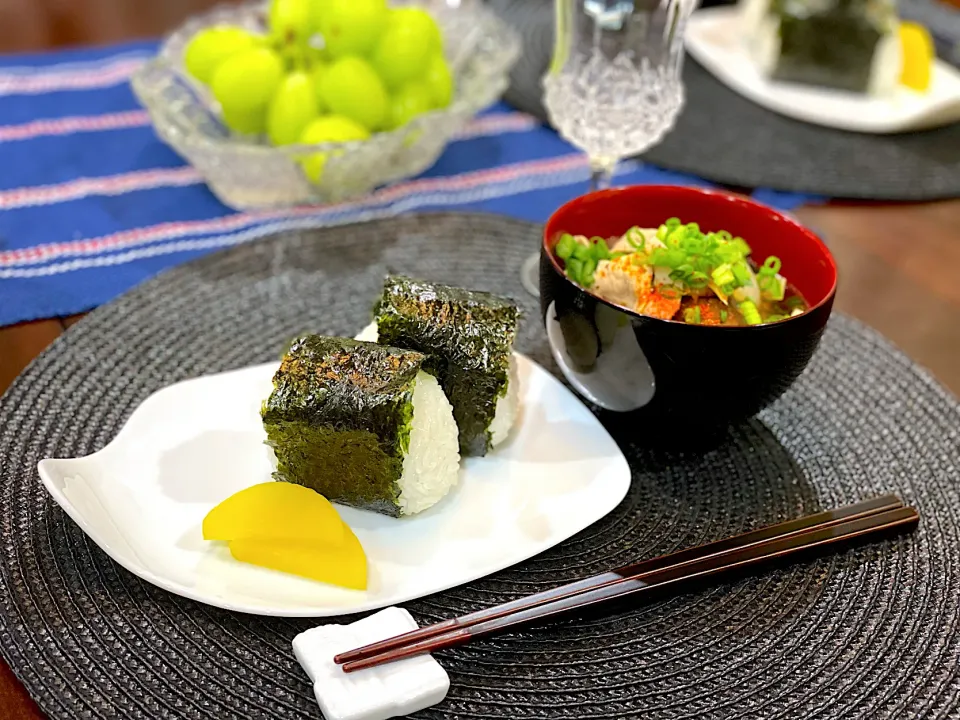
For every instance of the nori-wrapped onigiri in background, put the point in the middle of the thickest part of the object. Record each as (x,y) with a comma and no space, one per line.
(363,424)
(468,339)
(850,45)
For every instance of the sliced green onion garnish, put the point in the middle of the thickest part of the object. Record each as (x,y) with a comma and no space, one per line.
(589,267)
(600,249)
(582,252)
(723,275)
(574,269)
(750,313)
(565,246)
(772,264)
(723,316)
(637,239)
(742,244)
(742,273)
(692,315)
(771,286)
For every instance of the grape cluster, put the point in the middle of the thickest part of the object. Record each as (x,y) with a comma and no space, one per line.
(326,71)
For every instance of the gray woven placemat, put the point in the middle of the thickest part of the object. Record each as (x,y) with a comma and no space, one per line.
(870,633)
(725,138)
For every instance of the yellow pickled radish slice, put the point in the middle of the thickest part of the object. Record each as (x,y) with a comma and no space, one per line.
(275,511)
(345,565)
(918,56)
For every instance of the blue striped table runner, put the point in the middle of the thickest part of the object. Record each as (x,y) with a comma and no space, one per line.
(92,203)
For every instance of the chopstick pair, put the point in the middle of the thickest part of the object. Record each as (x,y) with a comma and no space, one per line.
(783,539)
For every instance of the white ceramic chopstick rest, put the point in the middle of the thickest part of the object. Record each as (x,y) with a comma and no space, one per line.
(377,693)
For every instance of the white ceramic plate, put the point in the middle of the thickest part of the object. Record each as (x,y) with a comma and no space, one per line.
(187,447)
(714,38)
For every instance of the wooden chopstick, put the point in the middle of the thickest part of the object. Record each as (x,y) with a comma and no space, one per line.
(613,582)
(774,548)
(829,534)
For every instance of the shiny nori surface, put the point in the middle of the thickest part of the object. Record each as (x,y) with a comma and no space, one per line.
(832,47)
(468,338)
(338,419)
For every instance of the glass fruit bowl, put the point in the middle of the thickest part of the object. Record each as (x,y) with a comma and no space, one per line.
(246,173)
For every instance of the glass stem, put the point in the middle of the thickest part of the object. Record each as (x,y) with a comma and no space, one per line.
(601,173)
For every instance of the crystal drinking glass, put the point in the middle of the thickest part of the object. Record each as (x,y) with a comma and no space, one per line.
(614,88)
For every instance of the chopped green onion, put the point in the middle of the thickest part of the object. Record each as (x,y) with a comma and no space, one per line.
(692,315)
(600,249)
(772,286)
(662,232)
(574,269)
(742,244)
(723,275)
(742,273)
(668,257)
(724,236)
(565,246)
(723,316)
(637,239)
(672,222)
(750,313)
(772,264)
(775,318)
(589,267)
(582,252)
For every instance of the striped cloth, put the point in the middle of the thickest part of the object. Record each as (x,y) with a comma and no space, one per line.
(92,203)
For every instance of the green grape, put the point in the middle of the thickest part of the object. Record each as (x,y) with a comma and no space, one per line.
(351,27)
(244,85)
(405,47)
(317,74)
(292,108)
(440,81)
(412,99)
(351,88)
(422,22)
(316,56)
(329,128)
(318,8)
(290,20)
(208,48)
(246,122)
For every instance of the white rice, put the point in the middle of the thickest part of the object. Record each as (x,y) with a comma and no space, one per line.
(369,333)
(431,466)
(507,407)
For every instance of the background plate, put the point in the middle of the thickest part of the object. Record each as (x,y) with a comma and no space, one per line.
(871,633)
(714,37)
(142,499)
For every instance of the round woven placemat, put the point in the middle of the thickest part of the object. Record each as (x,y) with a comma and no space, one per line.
(868,633)
(725,138)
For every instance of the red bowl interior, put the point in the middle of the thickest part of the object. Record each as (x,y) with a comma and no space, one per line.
(807,263)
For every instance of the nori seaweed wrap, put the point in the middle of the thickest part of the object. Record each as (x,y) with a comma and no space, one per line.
(468,337)
(841,44)
(345,418)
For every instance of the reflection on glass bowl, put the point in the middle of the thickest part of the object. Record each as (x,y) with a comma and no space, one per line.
(246,174)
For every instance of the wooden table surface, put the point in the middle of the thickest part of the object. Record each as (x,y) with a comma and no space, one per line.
(898,263)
